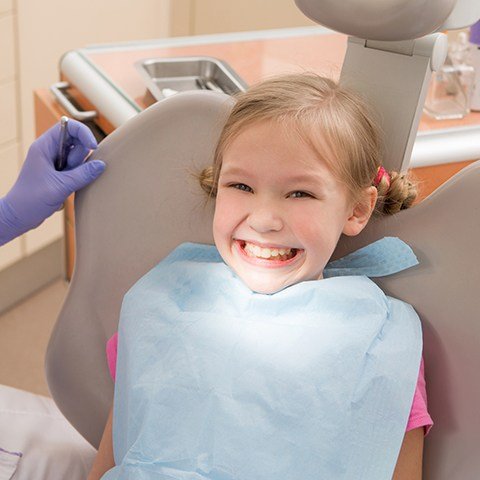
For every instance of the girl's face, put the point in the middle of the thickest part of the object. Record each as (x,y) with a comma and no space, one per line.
(279,209)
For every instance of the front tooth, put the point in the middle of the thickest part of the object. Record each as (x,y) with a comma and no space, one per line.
(266,252)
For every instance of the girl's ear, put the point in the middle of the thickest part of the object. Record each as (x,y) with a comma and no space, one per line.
(361,212)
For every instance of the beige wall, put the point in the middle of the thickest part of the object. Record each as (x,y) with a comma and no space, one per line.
(195,17)
(9,142)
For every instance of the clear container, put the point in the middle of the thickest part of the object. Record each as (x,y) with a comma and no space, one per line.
(476,91)
(451,87)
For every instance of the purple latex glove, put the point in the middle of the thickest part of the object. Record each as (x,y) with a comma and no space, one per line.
(40,190)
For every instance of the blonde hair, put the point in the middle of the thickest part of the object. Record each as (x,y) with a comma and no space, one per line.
(328,117)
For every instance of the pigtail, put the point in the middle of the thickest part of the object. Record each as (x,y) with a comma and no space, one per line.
(395,193)
(207,181)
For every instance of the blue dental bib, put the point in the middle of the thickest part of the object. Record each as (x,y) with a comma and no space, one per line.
(216,382)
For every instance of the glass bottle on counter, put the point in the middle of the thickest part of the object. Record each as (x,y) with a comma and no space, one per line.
(451,87)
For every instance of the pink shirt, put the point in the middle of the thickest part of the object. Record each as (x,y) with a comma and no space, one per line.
(419,416)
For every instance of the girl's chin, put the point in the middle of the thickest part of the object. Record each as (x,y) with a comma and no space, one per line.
(259,283)
(265,291)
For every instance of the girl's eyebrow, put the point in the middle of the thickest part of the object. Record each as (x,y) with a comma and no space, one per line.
(307,178)
(304,178)
(234,171)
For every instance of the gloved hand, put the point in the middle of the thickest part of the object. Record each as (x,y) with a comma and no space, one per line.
(40,190)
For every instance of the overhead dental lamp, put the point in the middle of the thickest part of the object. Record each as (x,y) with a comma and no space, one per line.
(392,51)
(391,20)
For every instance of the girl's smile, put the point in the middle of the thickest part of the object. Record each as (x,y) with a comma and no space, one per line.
(267,256)
(279,210)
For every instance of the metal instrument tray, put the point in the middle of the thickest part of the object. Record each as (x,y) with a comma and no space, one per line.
(167,76)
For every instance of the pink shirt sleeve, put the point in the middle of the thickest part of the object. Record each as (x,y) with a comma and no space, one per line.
(419,416)
(112,354)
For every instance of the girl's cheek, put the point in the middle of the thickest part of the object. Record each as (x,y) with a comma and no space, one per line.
(224,215)
(304,221)
(229,204)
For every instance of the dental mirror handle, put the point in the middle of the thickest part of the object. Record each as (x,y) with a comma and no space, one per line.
(63,146)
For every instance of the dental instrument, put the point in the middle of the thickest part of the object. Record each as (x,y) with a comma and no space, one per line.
(40,190)
(64,145)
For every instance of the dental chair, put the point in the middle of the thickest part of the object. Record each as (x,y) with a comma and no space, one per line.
(148,202)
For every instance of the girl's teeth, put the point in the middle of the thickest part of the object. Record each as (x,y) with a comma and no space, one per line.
(256,251)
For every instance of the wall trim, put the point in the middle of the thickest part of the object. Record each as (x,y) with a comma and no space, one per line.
(25,277)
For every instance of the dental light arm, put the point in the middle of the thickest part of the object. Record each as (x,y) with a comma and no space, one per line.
(386,59)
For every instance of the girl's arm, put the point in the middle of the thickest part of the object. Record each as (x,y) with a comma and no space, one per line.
(409,463)
(104,460)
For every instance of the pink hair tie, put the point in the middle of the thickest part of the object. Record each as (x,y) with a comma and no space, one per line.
(381,173)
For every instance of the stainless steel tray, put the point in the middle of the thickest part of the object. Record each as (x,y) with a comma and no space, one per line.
(167,76)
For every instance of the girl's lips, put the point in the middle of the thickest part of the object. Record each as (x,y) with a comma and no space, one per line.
(263,262)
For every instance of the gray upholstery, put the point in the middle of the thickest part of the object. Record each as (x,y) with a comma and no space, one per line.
(147,202)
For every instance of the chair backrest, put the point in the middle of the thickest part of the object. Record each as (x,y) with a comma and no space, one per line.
(148,201)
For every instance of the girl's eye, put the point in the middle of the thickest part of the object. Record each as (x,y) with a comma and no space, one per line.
(300,194)
(241,186)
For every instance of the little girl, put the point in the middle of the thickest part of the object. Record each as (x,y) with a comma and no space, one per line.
(253,359)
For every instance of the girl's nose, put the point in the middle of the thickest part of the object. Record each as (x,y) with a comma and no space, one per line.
(265,220)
